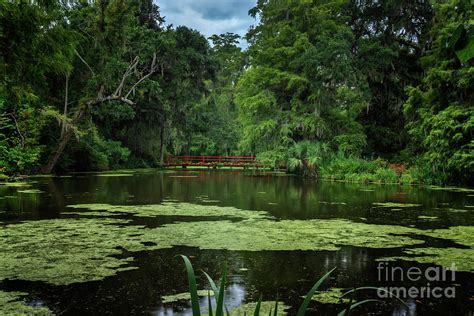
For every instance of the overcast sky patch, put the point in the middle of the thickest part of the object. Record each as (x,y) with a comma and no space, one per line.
(209,16)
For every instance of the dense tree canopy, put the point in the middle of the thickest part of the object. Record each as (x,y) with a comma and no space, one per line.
(95,85)
(441,108)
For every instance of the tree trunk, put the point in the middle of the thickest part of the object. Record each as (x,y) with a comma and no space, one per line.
(119,96)
(63,125)
(63,140)
(162,144)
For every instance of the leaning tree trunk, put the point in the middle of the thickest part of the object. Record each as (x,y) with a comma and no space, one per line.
(119,95)
(66,134)
(53,160)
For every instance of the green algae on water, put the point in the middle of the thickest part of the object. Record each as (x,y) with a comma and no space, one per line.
(12,305)
(173,209)
(30,191)
(265,308)
(186,296)
(114,175)
(463,235)
(395,205)
(70,250)
(262,235)
(461,257)
(258,232)
(330,296)
(456,210)
(432,218)
(332,203)
(65,251)
(451,189)
(16,184)
(93,214)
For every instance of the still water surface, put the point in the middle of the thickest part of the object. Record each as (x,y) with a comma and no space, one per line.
(287,275)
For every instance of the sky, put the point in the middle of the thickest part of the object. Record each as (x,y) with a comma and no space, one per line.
(209,16)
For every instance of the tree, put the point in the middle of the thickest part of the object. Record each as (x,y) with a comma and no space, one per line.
(441,109)
(118,66)
(302,83)
(35,46)
(389,39)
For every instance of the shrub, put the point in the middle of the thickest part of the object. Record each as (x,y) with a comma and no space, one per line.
(358,170)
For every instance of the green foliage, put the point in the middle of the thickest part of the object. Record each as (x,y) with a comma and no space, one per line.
(302,84)
(389,41)
(305,157)
(18,160)
(441,110)
(422,173)
(351,145)
(20,150)
(257,309)
(352,169)
(107,154)
(318,77)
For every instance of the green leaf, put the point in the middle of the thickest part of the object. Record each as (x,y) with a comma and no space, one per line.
(307,300)
(454,39)
(377,289)
(257,308)
(351,307)
(211,283)
(209,302)
(220,297)
(467,52)
(192,286)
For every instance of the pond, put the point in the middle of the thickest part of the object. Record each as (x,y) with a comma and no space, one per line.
(108,243)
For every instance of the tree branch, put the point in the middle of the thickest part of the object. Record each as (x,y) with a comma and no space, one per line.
(153,68)
(22,138)
(85,62)
(127,73)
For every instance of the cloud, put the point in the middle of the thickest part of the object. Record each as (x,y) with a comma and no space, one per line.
(209,16)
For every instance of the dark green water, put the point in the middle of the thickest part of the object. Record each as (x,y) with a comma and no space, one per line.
(283,274)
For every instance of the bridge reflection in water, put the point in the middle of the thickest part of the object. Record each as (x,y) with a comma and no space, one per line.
(212,161)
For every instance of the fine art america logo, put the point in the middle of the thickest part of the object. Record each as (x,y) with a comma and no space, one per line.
(424,277)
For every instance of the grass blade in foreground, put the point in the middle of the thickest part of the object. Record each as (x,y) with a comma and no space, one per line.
(212,283)
(378,289)
(257,308)
(192,286)
(220,298)
(347,311)
(348,308)
(209,302)
(307,300)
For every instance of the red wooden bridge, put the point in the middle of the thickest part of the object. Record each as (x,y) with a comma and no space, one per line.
(211,161)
